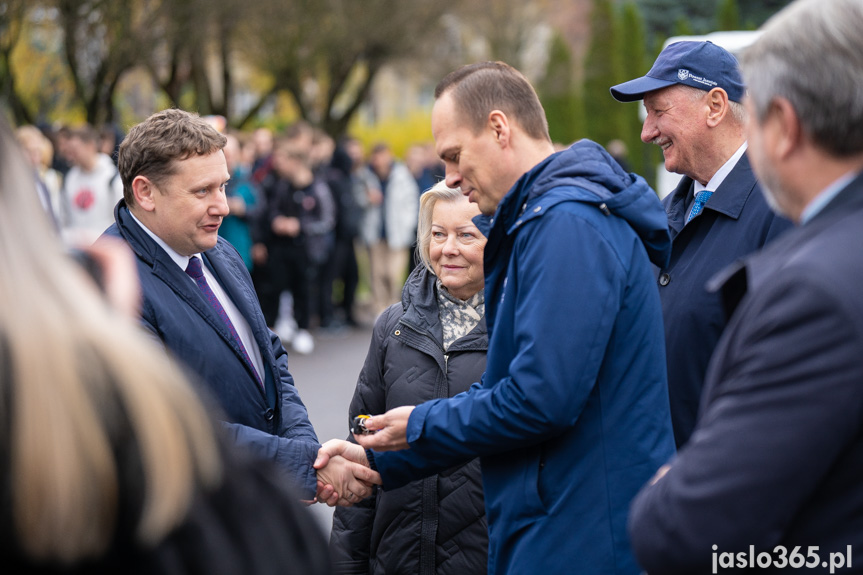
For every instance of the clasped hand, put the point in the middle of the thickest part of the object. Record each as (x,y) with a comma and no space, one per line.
(344,476)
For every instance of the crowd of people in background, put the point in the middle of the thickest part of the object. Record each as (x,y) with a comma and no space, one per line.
(521,406)
(305,211)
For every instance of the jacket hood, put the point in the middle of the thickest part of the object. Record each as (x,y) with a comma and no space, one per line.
(586,173)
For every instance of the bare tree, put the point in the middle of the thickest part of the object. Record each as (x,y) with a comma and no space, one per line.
(103,39)
(508,27)
(177,56)
(326,53)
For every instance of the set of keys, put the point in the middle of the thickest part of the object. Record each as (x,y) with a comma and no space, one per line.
(358,425)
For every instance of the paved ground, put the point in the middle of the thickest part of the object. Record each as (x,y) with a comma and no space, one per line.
(326,379)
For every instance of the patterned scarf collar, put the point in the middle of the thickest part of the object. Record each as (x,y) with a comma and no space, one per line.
(458,317)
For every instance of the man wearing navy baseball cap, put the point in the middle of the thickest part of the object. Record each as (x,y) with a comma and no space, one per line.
(693,96)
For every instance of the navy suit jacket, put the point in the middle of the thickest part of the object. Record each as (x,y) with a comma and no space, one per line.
(272,421)
(736,222)
(777,455)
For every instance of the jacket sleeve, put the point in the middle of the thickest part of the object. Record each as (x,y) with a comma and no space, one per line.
(363,181)
(350,538)
(402,207)
(546,384)
(294,450)
(295,422)
(295,445)
(293,456)
(785,407)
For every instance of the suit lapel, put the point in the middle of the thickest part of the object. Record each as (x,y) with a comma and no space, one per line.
(734,191)
(227,271)
(169,272)
(675,206)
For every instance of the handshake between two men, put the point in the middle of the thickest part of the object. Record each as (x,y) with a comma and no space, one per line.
(344,474)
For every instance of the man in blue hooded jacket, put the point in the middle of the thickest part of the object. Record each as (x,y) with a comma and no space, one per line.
(572,415)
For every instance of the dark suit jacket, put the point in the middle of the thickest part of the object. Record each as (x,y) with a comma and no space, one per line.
(777,455)
(736,222)
(272,422)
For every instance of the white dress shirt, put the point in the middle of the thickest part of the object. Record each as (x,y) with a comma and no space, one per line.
(240,323)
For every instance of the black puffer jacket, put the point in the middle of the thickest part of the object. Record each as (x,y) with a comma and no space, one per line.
(438,524)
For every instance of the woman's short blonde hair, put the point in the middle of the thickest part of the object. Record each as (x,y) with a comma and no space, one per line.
(29,136)
(439,192)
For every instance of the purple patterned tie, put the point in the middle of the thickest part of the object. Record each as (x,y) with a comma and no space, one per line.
(197,273)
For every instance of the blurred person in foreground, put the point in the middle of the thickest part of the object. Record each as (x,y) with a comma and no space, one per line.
(773,472)
(110,463)
(693,96)
(199,300)
(433,344)
(571,416)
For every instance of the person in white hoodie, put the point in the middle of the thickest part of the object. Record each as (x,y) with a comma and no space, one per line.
(91,189)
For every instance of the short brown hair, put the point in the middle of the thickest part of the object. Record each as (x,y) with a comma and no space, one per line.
(153,146)
(478,89)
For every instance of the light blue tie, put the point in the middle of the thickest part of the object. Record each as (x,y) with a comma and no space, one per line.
(700,199)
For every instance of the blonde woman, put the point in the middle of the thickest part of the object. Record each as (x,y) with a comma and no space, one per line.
(108,462)
(432,344)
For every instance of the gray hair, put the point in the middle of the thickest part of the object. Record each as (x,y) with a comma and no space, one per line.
(439,192)
(811,53)
(738,110)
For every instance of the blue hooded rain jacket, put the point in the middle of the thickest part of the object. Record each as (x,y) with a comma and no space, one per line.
(572,415)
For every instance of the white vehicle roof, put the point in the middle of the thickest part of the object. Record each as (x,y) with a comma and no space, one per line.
(735,41)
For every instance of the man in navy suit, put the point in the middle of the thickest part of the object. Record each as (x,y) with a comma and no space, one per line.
(693,96)
(200,302)
(776,459)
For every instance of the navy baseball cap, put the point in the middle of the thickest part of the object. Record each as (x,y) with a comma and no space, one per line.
(701,65)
